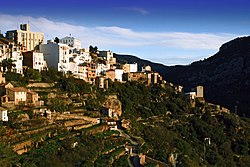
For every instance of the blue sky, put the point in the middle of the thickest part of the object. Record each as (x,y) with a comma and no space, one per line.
(165,31)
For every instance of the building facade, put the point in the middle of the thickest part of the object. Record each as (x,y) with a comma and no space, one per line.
(11,51)
(72,42)
(17,59)
(20,95)
(16,95)
(34,60)
(119,75)
(4,48)
(57,55)
(130,67)
(24,37)
(32,97)
(199,91)
(108,56)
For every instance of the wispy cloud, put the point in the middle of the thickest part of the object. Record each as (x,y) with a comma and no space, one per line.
(118,37)
(134,9)
(181,40)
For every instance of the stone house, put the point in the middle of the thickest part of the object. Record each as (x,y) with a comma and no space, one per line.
(19,95)
(32,97)
(143,77)
(16,95)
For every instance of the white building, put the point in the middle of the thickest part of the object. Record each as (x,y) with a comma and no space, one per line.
(79,64)
(82,56)
(100,69)
(118,74)
(34,60)
(82,72)
(72,42)
(17,58)
(85,55)
(133,67)
(109,57)
(4,48)
(11,51)
(57,55)
(130,68)
(15,55)
(4,115)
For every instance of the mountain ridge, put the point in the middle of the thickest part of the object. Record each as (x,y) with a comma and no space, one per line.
(225,75)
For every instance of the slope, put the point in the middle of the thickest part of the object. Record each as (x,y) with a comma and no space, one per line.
(224,75)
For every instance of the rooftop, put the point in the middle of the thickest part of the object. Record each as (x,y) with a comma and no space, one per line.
(18,89)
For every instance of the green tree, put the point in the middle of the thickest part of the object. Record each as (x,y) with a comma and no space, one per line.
(51,75)
(58,105)
(7,156)
(57,40)
(32,74)
(7,64)
(93,49)
(12,76)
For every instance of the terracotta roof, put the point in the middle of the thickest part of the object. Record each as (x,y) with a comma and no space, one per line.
(32,92)
(18,89)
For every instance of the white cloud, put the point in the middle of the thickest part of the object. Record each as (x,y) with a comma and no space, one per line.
(134,9)
(118,37)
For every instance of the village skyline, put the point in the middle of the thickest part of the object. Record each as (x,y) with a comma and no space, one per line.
(165,32)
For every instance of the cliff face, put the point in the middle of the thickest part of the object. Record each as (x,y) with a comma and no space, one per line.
(225,75)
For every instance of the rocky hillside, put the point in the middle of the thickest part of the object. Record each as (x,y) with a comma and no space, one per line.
(225,75)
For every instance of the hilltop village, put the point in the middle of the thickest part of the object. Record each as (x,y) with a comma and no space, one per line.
(58,98)
(26,49)
(23,49)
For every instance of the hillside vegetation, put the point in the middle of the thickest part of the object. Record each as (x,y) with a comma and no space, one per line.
(161,120)
(225,75)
